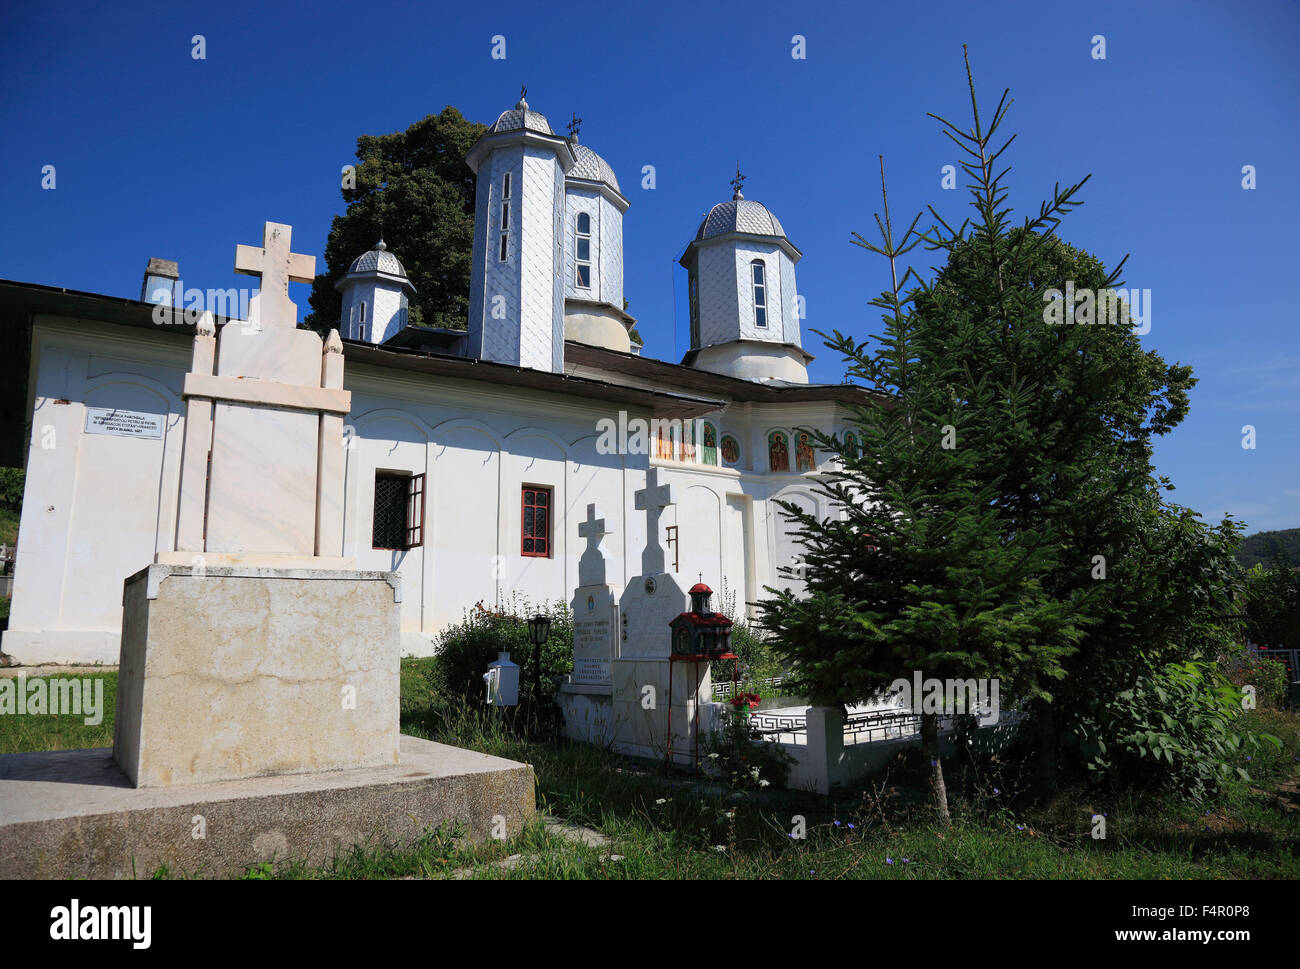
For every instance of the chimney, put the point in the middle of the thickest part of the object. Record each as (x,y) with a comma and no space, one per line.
(161,278)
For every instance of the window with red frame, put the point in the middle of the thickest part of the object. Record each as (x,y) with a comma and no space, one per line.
(535,531)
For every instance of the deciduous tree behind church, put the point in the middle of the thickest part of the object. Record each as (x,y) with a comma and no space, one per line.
(414,188)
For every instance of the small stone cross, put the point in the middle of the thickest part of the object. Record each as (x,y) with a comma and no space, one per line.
(278,267)
(653,499)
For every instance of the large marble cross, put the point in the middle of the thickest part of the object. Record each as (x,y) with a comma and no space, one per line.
(653,499)
(591,564)
(278,267)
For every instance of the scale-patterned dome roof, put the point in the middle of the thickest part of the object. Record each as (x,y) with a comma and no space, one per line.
(378,259)
(593,168)
(740,215)
(520,117)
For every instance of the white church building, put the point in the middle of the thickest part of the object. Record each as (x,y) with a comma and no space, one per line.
(471,456)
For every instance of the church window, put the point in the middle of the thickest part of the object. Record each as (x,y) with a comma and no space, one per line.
(399,511)
(504,250)
(760,292)
(361,324)
(778,452)
(535,532)
(803,455)
(583,251)
(710,450)
(730,449)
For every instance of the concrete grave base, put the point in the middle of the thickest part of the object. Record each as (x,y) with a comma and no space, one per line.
(74,814)
(237,672)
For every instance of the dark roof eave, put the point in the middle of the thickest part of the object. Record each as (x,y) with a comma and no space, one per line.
(703,381)
(467,368)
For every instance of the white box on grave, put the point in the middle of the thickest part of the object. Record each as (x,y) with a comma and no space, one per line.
(255,647)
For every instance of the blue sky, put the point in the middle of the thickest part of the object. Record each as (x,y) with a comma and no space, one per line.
(158,154)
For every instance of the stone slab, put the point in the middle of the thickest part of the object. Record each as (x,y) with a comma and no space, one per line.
(230,673)
(595,632)
(74,814)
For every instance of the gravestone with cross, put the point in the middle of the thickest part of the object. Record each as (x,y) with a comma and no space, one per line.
(262,472)
(253,646)
(642,678)
(595,611)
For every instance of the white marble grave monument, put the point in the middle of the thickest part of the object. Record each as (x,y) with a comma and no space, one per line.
(255,647)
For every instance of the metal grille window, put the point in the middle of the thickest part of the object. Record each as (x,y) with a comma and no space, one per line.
(399,511)
(535,537)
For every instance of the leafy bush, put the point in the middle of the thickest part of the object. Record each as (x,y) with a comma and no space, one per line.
(466,648)
(738,755)
(11,488)
(1173,728)
(758,661)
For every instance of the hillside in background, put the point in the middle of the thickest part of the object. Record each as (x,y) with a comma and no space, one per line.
(1259,549)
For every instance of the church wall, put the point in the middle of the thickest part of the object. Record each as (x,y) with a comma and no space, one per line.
(790,325)
(540,306)
(745,254)
(500,338)
(719,307)
(96,507)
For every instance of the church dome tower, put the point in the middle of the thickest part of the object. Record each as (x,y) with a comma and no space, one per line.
(593,251)
(375,296)
(516,305)
(744,307)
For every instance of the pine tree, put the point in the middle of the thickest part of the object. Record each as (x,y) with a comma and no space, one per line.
(917,574)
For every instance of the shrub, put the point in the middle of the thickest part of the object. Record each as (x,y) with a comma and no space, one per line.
(1173,729)
(466,648)
(11,488)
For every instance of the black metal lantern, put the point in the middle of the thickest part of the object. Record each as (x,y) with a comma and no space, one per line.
(539,629)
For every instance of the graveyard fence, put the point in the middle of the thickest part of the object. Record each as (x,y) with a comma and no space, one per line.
(1290,657)
(725,691)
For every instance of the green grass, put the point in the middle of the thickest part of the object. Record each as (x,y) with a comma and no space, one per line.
(62,732)
(664,828)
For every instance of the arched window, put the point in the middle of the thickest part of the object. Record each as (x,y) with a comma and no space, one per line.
(710,435)
(361,323)
(778,451)
(582,251)
(759,274)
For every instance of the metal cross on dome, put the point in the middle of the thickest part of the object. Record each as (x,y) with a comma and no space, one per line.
(737,182)
(574,125)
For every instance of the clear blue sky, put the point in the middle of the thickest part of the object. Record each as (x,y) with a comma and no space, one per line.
(158,154)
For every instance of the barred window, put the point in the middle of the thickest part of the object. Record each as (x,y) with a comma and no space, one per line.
(535,530)
(399,511)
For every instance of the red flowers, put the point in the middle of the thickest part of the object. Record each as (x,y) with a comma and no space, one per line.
(750,700)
